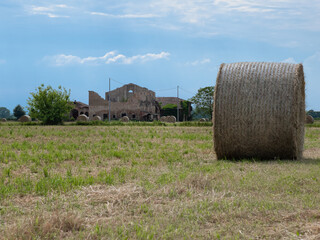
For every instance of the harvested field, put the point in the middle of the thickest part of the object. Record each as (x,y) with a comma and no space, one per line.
(150,182)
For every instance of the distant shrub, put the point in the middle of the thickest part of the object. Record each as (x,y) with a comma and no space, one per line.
(51,106)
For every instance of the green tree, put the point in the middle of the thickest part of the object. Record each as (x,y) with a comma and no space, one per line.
(4,112)
(18,111)
(185,110)
(314,114)
(169,110)
(203,102)
(51,106)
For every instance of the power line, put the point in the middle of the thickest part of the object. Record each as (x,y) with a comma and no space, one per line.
(118,81)
(158,90)
(186,90)
(162,90)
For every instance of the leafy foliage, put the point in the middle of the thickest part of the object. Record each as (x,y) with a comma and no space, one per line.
(185,109)
(4,112)
(18,111)
(49,105)
(169,110)
(170,106)
(314,114)
(203,101)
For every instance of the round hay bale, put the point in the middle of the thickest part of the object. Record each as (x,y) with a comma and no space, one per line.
(309,119)
(124,119)
(171,119)
(163,119)
(25,118)
(96,118)
(83,118)
(202,120)
(3,120)
(259,111)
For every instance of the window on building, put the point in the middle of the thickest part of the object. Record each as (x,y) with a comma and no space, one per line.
(114,116)
(133,116)
(123,114)
(105,116)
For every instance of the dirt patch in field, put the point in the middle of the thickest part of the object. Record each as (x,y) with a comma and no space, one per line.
(313,153)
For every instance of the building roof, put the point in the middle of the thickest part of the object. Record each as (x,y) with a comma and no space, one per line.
(168,100)
(80,104)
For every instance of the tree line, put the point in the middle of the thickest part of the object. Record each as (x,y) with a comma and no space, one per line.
(18,112)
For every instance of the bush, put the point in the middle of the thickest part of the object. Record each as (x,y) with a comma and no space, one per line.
(49,105)
(18,112)
(4,112)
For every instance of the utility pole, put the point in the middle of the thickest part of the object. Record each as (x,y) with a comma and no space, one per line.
(178,104)
(109,101)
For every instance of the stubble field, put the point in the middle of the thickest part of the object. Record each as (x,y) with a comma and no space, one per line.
(150,182)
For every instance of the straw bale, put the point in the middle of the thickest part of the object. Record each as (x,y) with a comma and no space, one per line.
(96,118)
(3,120)
(171,119)
(202,120)
(163,119)
(309,119)
(259,111)
(124,119)
(83,118)
(25,118)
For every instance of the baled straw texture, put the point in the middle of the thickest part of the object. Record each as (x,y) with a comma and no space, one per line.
(96,118)
(309,119)
(3,120)
(124,119)
(25,118)
(163,119)
(259,111)
(83,118)
(171,119)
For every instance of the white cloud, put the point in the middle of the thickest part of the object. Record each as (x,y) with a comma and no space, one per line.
(2,61)
(273,21)
(49,11)
(124,15)
(200,62)
(108,58)
(289,60)
(315,58)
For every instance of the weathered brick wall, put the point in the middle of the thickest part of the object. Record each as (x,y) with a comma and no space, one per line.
(130,100)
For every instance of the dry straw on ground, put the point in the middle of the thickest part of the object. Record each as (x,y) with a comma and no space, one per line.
(96,118)
(83,118)
(309,119)
(124,119)
(202,120)
(259,111)
(25,118)
(3,120)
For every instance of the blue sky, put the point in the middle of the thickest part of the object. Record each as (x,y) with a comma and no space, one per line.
(157,44)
